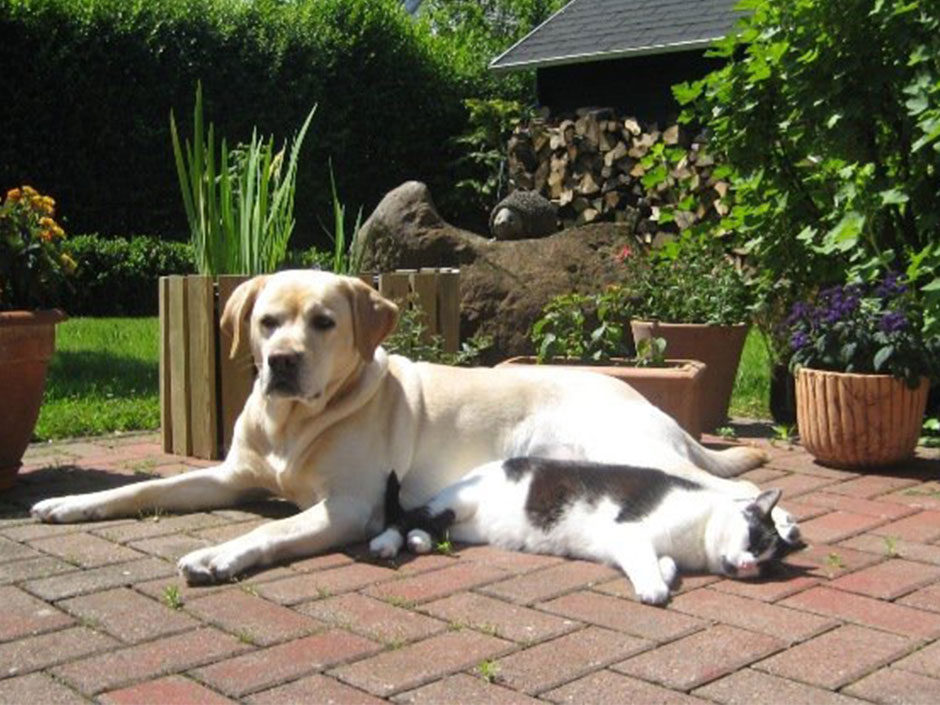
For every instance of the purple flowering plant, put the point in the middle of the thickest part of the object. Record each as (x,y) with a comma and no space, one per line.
(874,328)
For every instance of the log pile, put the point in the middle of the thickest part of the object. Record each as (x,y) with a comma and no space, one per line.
(592,166)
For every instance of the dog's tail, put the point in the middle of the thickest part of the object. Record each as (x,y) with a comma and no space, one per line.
(726,463)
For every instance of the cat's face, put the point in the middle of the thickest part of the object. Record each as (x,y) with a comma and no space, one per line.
(743,537)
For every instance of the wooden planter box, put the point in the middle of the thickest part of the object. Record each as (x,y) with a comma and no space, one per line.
(855,420)
(676,389)
(203,390)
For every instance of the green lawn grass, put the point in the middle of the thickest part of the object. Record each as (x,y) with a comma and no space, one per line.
(751,395)
(103,378)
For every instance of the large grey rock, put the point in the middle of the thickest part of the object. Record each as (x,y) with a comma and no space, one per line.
(503,284)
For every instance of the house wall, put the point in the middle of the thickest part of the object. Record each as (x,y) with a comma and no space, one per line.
(638,86)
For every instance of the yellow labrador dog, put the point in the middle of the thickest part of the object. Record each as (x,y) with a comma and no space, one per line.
(331,414)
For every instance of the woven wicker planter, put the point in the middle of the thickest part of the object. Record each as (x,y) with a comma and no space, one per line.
(855,421)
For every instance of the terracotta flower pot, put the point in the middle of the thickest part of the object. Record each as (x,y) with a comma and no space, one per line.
(855,420)
(719,347)
(675,389)
(27,341)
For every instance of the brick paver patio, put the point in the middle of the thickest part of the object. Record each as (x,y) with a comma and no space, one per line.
(95,612)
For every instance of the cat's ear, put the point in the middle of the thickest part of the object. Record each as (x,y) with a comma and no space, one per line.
(764,502)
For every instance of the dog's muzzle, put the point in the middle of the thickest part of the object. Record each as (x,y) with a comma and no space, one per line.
(284,373)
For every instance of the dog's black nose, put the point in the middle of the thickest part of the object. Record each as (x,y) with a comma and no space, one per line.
(284,365)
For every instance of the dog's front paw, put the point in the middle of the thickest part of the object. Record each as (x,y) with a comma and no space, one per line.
(68,509)
(215,564)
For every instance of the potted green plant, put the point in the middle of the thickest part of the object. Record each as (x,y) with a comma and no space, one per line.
(33,267)
(692,294)
(862,367)
(588,332)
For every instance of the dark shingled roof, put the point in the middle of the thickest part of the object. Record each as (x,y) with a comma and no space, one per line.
(594,30)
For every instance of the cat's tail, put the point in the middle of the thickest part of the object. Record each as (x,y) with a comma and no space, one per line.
(726,463)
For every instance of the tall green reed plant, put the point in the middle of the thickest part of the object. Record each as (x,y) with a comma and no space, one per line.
(240,208)
(346,258)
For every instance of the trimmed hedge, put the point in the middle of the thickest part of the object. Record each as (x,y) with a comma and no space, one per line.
(92,83)
(118,276)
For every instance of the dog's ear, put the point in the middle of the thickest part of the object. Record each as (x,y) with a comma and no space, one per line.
(374,317)
(238,309)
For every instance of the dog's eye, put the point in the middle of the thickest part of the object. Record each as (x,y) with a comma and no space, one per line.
(321,322)
(268,322)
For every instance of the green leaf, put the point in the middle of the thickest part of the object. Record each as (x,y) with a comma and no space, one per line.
(655,176)
(687,92)
(893,196)
(844,236)
(848,351)
(932,286)
(882,356)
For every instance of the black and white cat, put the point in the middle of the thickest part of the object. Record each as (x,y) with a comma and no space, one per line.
(646,521)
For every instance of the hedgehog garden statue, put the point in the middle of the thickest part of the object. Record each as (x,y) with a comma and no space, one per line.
(523,214)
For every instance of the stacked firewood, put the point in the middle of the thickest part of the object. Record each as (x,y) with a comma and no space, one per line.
(592,166)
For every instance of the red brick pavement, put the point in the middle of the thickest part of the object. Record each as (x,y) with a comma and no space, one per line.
(95,612)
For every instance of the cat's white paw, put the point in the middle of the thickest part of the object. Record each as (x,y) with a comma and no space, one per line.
(68,509)
(387,544)
(668,569)
(419,541)
(653,594)
(786,526)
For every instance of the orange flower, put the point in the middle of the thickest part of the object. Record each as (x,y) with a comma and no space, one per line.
(46,235)
(14,194)
(29,191)
(57,231)
(46,222)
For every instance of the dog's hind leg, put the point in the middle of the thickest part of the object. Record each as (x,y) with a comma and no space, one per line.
(207,488)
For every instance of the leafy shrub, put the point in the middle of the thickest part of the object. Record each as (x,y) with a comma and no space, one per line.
(588,328)
(481,168)
(591,329)
(480,30)
(96,79)
(830,114)
(690,279)
(118,276)
(411,339)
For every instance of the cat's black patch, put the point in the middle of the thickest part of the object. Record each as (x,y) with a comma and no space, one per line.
(393,508)
(556,484)
(762,535)
(396,517)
